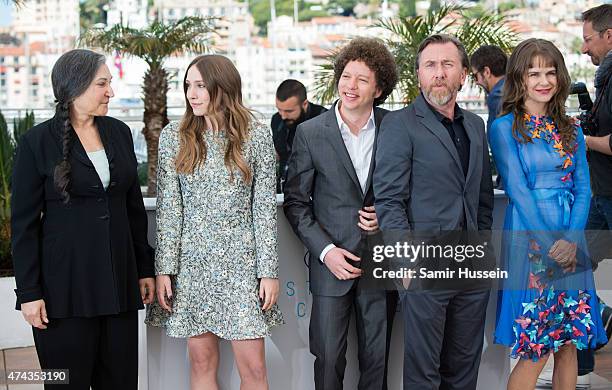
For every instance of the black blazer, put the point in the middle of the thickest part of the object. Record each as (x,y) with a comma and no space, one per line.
(83,258)
(323,196)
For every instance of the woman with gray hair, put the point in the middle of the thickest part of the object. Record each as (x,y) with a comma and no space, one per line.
(83,267)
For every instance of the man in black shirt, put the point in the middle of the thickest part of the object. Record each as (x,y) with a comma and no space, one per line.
(293,109)
(432,177)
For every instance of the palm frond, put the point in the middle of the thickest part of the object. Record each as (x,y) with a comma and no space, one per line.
(157,41)
(17,3)
(472,30)
(191,34)
(114,38)
(324,88)
(154,44)
(22,125)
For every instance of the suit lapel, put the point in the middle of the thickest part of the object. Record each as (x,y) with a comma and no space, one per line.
(429,120)
(334,136)
(378,116)
(106,135)
(107,141)
(79,152)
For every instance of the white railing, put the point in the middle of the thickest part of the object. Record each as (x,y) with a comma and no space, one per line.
(132,116)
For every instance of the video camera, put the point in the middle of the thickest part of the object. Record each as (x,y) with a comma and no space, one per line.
(586,118)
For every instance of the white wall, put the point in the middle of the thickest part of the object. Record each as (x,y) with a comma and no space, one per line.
(289,362)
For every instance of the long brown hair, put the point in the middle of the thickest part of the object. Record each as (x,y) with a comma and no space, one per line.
(529,54)
(224,86)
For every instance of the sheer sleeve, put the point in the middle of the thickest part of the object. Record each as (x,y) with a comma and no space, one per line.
(582,186)
(505,153)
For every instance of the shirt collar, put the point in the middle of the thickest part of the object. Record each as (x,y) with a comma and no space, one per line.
(370,124)
(307,113)
(498,85)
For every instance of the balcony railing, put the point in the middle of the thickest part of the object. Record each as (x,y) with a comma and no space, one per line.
(132,116)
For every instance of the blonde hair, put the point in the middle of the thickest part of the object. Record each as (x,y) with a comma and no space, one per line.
(224,86)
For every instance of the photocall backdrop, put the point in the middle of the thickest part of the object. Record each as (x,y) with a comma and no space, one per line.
(164,363)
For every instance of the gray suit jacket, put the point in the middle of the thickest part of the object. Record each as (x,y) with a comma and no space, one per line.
(323,196)
(419,182)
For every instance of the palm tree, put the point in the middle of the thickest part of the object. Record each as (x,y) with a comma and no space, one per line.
(406,34)
(154,44)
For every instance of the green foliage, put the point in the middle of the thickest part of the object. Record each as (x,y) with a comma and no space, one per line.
(91,12)
(582,73)
(156,42)
(260,9)
(408,33)
(21,125)
(346,5)
(5,252)
(8,144)
(324,88)
(309,14)
(407,8)
(576,45)
(7,148)
(507,6)
(475,12)
(142,173)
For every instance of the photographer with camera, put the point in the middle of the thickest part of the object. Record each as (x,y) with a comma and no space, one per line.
(597,127)
(597,35)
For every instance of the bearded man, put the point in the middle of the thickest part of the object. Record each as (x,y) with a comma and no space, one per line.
(432,174)
(293,109)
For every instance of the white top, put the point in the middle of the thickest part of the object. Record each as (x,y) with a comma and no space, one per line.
(100,162)
(359,148)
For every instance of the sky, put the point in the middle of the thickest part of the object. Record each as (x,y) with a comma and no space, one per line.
(5,13)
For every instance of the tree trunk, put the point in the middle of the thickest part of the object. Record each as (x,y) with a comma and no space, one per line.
(155,88)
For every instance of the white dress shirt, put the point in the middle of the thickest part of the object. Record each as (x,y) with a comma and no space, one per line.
(359,148)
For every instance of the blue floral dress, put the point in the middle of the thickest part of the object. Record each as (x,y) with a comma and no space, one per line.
(541,307)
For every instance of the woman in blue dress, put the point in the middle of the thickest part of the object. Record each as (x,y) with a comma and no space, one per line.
(548,303)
